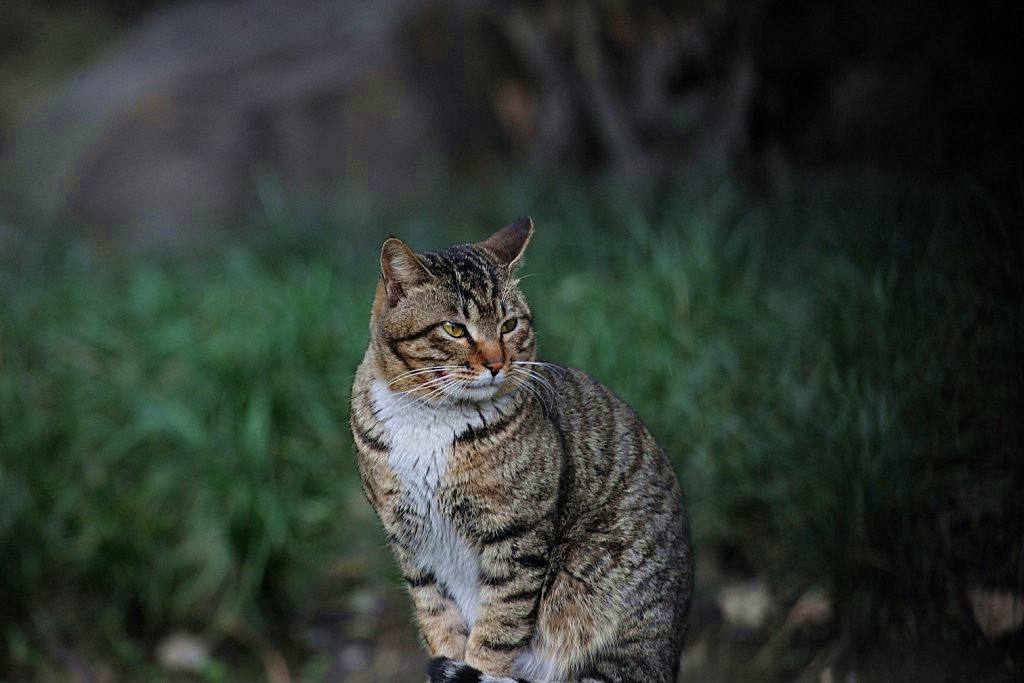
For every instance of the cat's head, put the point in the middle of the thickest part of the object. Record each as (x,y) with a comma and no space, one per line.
(452,325)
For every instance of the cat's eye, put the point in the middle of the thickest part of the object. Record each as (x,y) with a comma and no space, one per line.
(509,325)
(454,329)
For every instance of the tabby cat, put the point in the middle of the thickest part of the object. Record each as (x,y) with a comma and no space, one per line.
(538,525)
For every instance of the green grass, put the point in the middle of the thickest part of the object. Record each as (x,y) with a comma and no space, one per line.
(832,373)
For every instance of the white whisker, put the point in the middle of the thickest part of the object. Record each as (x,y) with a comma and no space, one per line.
(525,384)
(541,381)
(451,393)
(538,376)
(413,400)
(550,366)
(422,371)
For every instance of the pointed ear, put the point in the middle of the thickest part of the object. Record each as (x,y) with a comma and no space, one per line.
(509,243)
(401,268)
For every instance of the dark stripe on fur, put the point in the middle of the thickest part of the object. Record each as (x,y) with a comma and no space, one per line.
(566,475)
(394,350)
(417,334)
(426,357)
(521,596)
(487,430)
(425,579)
(363,435)
(505,647)
(537,561)
(507,533)
(496,581)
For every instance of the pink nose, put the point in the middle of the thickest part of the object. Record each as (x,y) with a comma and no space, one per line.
(494,365)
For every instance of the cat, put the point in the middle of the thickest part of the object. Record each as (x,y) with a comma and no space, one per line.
(538,525)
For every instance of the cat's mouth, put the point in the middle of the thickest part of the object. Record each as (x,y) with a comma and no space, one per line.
(468,387)
(483,379)
(478,392)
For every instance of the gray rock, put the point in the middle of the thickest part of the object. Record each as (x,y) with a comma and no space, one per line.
(183,652)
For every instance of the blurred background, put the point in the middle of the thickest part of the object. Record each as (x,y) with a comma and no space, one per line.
(787,233)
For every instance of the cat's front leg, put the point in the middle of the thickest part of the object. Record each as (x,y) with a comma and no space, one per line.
(512,572)
(441,624)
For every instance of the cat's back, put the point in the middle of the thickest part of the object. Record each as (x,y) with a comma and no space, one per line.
(624,525)
(618,478)
(603,431)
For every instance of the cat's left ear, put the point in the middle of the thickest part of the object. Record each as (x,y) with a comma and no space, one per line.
(509,243)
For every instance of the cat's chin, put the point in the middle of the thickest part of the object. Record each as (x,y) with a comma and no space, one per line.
(478,394)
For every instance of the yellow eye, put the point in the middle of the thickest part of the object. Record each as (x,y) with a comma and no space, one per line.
(509,325)
(454,329)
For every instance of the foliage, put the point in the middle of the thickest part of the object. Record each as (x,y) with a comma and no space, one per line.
(832,373)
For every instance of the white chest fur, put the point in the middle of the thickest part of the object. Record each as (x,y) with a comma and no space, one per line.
(421,438)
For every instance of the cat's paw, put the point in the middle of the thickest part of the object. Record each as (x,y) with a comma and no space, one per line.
(444,670)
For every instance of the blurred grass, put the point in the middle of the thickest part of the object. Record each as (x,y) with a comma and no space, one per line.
(833,373)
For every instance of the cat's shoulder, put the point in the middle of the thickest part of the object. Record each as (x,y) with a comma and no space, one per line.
(579,379)
(586,390)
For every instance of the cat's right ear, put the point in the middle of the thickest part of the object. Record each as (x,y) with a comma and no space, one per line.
(401,268)
(509,243)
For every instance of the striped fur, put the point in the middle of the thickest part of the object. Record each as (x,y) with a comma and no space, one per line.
(538,525)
